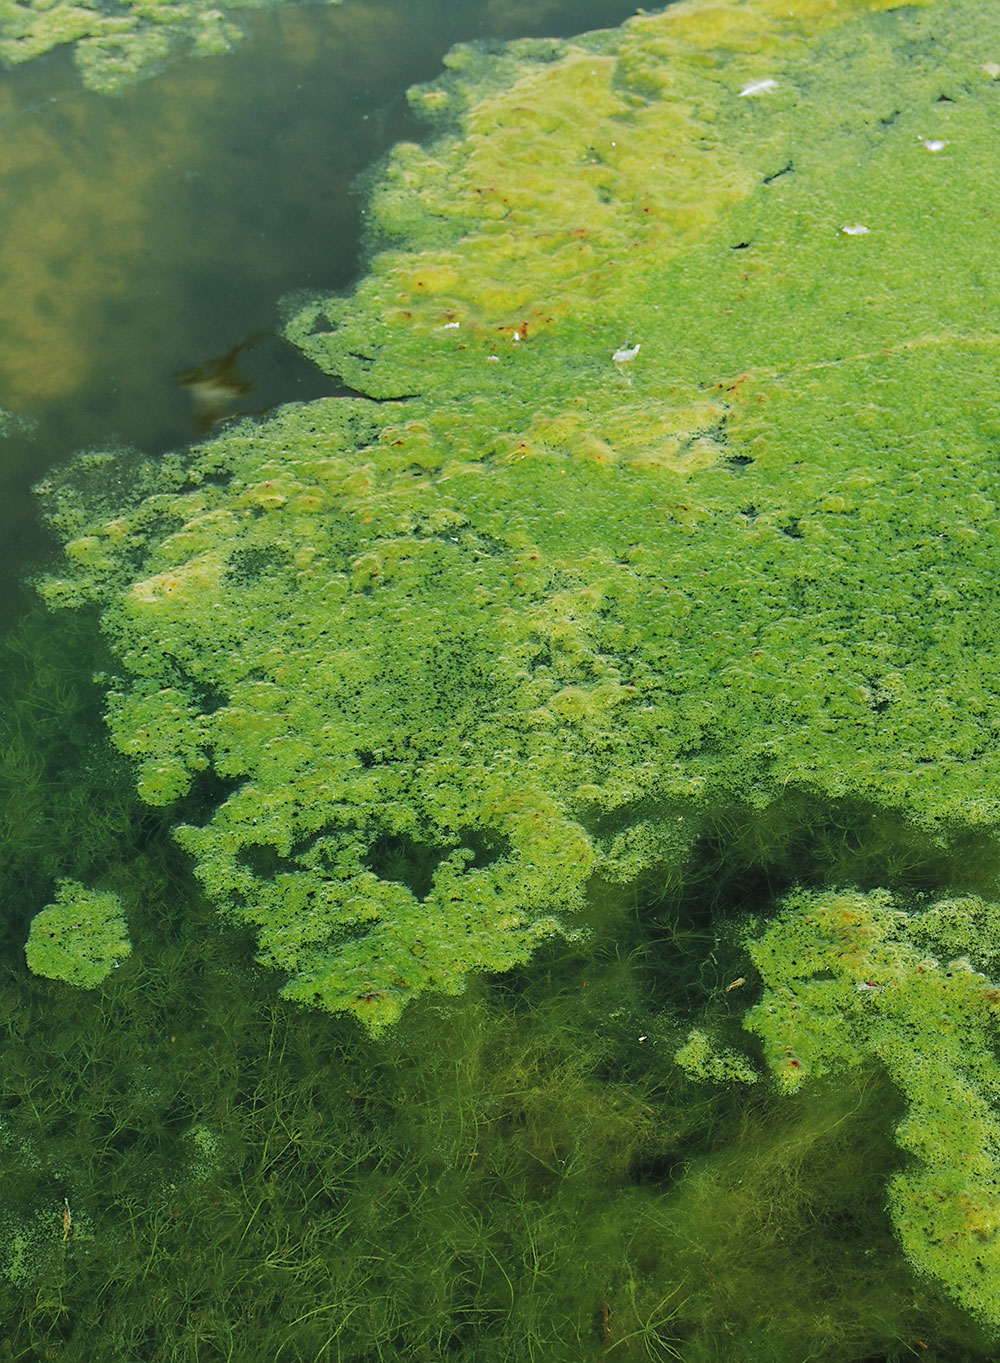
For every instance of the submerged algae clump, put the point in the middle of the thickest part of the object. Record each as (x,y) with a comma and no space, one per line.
(118,44)
(850,979)
(453,654)
(699,1058)
(80,937)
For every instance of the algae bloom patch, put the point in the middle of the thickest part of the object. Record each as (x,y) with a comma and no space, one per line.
(850,978)
(446,659)
(80,937)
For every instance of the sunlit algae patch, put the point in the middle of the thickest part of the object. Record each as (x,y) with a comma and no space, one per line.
(674,480)
(80,938)
(115,45)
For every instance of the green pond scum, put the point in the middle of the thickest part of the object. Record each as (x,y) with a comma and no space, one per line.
(80,938)
(540,901)
(118,42)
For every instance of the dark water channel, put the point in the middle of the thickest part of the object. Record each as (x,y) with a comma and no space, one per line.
(145,240)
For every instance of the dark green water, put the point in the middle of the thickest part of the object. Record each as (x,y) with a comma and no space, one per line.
(193,1170)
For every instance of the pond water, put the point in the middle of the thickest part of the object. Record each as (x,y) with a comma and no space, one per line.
(192,1168)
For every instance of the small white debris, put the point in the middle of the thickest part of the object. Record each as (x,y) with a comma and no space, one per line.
(493,359)
(644,1038)
(934,144)
(992,69)
(517,335)
(448,326)
(758,87)
(624,353)
(856,229)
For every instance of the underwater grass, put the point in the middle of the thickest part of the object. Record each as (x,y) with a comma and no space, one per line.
(516,1175)
(520,1173)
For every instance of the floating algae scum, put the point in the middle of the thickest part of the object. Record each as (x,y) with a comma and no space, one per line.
(591,721)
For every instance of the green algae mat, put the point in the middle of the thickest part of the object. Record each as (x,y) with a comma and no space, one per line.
(664,518)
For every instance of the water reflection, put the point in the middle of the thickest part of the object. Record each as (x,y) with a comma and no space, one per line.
(251,377)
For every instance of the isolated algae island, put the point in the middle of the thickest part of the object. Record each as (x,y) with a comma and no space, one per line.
(618,665)
(116,44)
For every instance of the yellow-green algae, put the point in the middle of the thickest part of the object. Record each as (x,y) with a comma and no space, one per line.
(851,979)
(116,44)
(80,937)
(700,1058)
(457,653)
